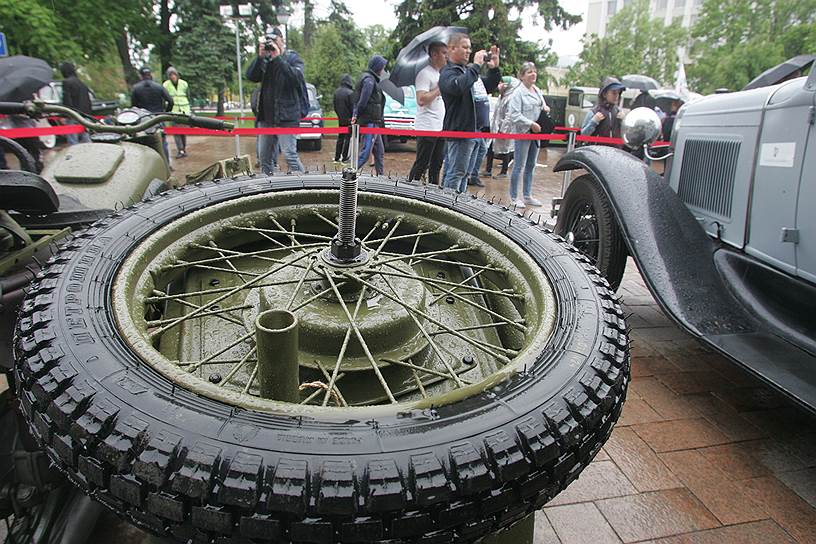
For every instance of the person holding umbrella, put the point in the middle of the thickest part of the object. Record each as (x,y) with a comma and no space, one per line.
(430,116)
(456,83)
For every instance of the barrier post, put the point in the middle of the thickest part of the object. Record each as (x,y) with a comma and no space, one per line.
(354,146)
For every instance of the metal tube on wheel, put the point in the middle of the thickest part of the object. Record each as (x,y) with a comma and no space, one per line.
(276,337)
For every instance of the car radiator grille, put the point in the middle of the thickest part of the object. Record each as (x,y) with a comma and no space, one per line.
(707,175)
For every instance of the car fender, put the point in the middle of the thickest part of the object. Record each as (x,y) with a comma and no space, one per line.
(671,250)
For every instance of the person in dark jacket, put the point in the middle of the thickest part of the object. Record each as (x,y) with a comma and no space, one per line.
(369,104)
(605,118)
(668,121)
(154,98)
(76,95)
(344,108)
(456,83)
(282,102)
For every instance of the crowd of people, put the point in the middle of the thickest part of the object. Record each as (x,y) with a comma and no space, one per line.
(452,94)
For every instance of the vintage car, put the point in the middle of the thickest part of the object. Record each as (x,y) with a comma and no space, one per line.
(726,239)
(313,119)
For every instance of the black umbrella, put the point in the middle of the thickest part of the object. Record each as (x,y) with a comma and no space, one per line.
(414,57)
(21,77)
(780,72)
(397,93)
(637,81)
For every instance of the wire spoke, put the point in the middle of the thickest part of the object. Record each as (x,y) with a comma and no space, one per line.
(374,228)
(251,379)
(437,283)
(300,284)
(159,296)
(343,346)
(237,366)
(416,368)
(316,392)
(229,262)
(453,249)
(482,346)
(332,385)
(183,302)
(160,322)
(228,294)
(470,328)
(361,339)
(434,347)
(387,237)
(331,223)
(458,285)
(209,359)
(254,254)
(240,254)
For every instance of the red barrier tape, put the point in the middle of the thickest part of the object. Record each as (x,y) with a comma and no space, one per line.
(227,118)
(457,134)
(41,131)
(255,131)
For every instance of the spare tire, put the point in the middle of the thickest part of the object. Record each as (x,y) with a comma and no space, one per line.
(180,458)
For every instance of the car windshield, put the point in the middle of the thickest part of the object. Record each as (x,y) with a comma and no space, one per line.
(313,103)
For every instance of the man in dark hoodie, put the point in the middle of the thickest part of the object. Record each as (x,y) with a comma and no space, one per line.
(605,118)
(76,95)
(282,101)
(344,108)
(369,104)
(456,83)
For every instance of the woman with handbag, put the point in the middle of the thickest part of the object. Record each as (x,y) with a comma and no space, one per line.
(526,104)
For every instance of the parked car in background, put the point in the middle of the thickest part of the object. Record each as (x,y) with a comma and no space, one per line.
(726,240)
(52,94)
(313,119)
(400,116)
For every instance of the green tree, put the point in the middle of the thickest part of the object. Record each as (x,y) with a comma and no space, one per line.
(635,43)
(204,49)
(488,23)
(736,40)
(328,59)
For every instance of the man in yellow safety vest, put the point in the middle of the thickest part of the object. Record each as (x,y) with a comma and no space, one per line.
(179,91)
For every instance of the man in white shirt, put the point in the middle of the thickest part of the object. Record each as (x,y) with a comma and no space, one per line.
(430,115)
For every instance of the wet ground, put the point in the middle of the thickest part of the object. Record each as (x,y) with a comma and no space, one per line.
(704,453)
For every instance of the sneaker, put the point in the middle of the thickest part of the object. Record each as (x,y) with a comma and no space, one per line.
(532,201)
(486,174)
(476,182)
(501,175)
(519,204)
(179,155)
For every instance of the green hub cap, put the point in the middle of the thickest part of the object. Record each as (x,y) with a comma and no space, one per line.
(442,308)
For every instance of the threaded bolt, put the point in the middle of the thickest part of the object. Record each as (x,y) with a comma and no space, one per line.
(347,221)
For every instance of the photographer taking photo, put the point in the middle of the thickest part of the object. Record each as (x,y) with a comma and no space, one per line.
(283,100)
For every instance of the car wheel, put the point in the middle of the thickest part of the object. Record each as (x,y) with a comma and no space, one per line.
(447,385)
(586,220)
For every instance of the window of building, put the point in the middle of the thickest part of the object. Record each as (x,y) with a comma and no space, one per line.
(678,4)
(661,4)
(611,7)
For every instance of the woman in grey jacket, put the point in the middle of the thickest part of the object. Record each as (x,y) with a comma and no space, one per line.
(525,106)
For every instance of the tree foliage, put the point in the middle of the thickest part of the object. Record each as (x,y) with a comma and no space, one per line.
(488,23)
(204,48)
(635,43)
(735,40)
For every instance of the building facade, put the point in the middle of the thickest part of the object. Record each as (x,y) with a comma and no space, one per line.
(599,12)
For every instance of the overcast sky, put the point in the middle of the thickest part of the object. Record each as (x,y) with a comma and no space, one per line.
(366,12)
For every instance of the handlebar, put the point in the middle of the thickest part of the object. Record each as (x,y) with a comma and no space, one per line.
(12,108)
(37,107)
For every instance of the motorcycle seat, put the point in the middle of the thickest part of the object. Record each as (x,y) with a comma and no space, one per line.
(26,193)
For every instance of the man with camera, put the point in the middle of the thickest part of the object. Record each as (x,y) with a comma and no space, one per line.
(283,100)
(456,83)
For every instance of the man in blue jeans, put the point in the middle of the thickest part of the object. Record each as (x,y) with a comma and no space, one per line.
(369,104)
(456,83)
(282,102)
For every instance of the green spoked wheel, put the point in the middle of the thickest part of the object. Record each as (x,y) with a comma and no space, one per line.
(204,365)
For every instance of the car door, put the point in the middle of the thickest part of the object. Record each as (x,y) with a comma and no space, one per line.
(806,208)
(772,230)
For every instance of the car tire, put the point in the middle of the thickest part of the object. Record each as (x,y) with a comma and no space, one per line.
(190,467)
(606,248)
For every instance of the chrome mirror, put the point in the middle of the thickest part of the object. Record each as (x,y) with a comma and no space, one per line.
(641,126)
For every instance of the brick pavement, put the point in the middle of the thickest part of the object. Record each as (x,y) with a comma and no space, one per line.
(703,454)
